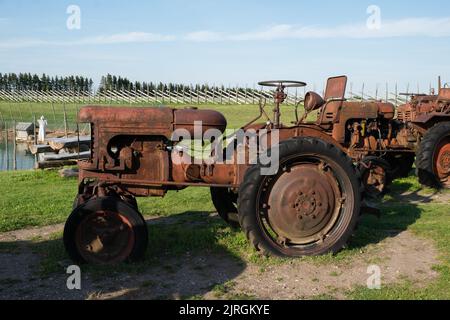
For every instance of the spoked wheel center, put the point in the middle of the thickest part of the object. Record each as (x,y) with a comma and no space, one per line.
(105,237)
(443,161)
(303,204)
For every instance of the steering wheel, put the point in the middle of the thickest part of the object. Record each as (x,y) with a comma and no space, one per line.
(282,84)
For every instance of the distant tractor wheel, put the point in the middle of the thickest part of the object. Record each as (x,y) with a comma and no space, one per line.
(310,207)
(225,202)
(433,157)
(401,165)
(105,231)
(374,175)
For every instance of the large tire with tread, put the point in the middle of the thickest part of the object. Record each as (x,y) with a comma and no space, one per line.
(225,202)
(310,207)
(433,157)
(105,231)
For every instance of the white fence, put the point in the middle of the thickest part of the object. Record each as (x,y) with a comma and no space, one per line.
(211,96)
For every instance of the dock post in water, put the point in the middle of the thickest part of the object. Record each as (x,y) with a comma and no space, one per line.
(6,146)
(14,147)
(35,140)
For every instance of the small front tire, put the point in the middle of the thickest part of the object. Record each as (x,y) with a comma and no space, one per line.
(105,231)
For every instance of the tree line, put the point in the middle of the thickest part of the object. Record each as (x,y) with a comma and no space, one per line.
(113,83)
(28,81)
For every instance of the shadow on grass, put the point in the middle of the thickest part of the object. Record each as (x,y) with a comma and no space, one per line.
(400,209)
(189,255)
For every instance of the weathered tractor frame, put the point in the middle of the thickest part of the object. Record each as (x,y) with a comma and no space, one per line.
(308,204)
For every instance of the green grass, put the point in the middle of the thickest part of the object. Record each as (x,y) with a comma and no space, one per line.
(185,227)
(34,198)
(236,115)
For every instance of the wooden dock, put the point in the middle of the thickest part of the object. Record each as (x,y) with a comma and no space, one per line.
(59,152)
(62,143)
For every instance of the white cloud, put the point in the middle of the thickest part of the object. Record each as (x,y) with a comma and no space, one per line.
(411,27)
(131,37)
(204,36)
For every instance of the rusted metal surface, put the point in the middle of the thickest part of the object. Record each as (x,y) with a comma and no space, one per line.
(443,162)
(303,202)
(132,147)
(335,88)
(313,102)
(105,238)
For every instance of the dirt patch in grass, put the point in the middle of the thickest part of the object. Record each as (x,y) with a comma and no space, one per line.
(217,276)
(402,257)
(194,255)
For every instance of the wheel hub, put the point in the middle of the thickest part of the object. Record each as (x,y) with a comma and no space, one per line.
(443,162)
(302,204)
(105,237)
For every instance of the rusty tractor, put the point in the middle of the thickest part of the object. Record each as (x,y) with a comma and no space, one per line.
(292,188)
(426,130)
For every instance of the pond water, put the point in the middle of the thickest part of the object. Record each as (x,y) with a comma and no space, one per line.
(24,159)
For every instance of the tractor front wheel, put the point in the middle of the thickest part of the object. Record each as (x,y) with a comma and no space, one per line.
(311,206)
(105,231)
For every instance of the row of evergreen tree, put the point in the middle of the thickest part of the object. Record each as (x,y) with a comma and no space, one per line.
(112,83)
(28,81)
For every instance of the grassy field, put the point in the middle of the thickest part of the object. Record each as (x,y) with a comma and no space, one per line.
(26,201)
(236,115)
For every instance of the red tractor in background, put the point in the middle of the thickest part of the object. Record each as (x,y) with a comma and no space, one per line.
(426,120)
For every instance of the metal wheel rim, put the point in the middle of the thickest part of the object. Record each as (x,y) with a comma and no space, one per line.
(105,237)
(442,162)
(334,222)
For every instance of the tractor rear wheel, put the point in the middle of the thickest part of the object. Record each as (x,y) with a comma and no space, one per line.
(225,202)
(105,231)
(433,157)
(311,206)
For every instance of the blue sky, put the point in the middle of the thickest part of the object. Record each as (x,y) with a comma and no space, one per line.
(230,42)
